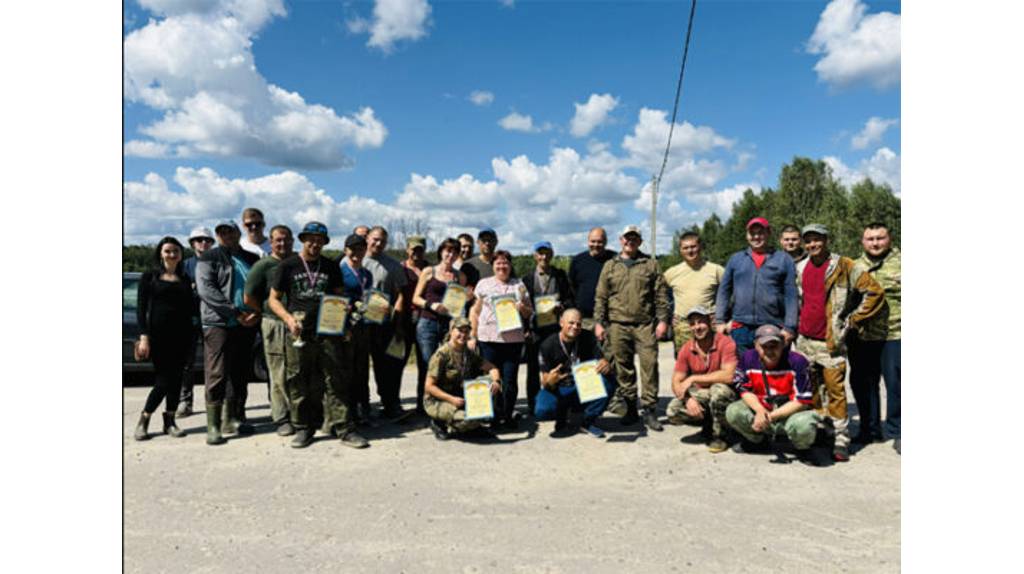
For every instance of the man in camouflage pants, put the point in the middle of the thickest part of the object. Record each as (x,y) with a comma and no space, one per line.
(631,295)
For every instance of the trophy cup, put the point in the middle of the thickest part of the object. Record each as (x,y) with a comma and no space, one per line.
(299,316)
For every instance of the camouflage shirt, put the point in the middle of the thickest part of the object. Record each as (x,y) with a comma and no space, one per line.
(634,293)
(885,326)
(450,368)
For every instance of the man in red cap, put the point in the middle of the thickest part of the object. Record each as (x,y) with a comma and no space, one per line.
(758,288)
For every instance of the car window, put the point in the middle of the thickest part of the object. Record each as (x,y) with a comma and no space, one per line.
(129,294)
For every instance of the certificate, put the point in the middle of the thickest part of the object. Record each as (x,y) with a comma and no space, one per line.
(544,306)
(396,348)
(507,313)
(589,383)
(378,307)
(455,297)
(477,393)
(332,316)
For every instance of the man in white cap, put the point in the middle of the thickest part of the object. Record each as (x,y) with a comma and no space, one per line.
(631,312)
(199,240)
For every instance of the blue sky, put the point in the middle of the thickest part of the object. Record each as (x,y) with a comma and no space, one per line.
(363,112)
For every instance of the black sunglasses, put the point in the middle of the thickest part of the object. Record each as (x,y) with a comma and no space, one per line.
(254,224)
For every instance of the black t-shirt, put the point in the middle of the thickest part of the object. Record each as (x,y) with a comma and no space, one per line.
(293,280)
(554,352)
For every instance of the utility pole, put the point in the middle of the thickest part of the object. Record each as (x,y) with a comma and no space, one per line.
(654,216)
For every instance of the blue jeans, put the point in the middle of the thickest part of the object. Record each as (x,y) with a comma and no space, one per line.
(505,356)
(869,362)
(430,333)
(556,405)
(891,374)
(744,338)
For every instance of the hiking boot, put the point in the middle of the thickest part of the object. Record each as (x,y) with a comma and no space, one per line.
(303,438)
(651,421)
(184,410)
(213,424)
(142,428)
(285,429)
(440,433)
(170,428)
(717,445)
(840,454)
(631,417)
(353,439)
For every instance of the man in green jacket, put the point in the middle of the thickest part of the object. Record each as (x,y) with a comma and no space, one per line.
(631,296)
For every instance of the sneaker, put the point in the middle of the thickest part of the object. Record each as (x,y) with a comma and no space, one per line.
(651,421)
(840,454)
(675,420)
(717,445)
(285,429)
(595,431)
(440,433)
(303,438)
(184,410)
(353,439)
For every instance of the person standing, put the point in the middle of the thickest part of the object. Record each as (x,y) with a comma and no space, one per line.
(272,328)
(875,349)
(758,288)
(694,283)
(413,265)
(432,326)
(254,240)
(388,276)
(465,254)
(166,313)
(483,263)
(228,332)
(357,281)
(199,240)
(544,279)
(789,240)
(584,271)
(318,381)
(631,309)
(836,295)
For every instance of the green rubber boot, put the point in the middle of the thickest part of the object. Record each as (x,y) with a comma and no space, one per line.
(213,422)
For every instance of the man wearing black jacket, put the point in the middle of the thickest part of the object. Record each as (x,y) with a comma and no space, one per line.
(543,280)
(585,269)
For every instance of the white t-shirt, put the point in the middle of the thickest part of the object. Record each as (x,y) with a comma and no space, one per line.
(263,249)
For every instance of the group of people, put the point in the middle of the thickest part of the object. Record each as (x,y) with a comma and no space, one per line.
(761,345)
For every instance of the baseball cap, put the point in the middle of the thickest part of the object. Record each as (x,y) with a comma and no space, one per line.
(487,231)
(416,241)
(698,310)
(461,323)
(814,228)
(314,228)
(759,221)
(542,245)
(226,223)
(200,232)
(766,333)
(630,229)
(353,241)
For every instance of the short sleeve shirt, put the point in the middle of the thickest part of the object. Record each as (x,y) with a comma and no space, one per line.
(487,329)
(692,287)
(554,351)
(293,280)
(388,274)
(692,362)
(260,279)
(450,368)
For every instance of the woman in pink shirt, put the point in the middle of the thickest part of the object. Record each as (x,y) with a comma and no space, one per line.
(502,349)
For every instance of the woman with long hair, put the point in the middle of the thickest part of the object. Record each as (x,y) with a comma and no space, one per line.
(167,313)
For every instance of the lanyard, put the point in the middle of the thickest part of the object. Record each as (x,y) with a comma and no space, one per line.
(574,355)
(311,275)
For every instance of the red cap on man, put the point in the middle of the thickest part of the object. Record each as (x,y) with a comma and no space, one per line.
(758,221)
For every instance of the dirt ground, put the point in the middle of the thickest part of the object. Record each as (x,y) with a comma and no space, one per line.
(528,503)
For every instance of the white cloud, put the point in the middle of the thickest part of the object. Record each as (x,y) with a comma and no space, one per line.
(196,65)
(481,97)
(517,122)
(646,145)
(592,114)
(856,48)
(147,149)
(882,167)
(872,133)
(721,201)
(394,20)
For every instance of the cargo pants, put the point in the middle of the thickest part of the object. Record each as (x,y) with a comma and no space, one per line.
(274,342)
(450,416)
(714,400)
(625,340)
(801,427)
(318,384)
(827,376)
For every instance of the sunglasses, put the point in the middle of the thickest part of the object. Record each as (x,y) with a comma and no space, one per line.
(254,224)
(202,240)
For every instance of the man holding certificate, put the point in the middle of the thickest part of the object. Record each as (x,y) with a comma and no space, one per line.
(389,279)
(548,288)
(318,386)
(450,368)
(575,375)
(356,287)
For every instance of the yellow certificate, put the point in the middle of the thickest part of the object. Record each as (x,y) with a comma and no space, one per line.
(589,383)
(544,306)
(396,348)
(454,299)
(477,393)
(378,307)
(506,312)
(332,316)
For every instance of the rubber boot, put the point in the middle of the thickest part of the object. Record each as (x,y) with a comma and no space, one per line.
(231,423)
(170,428)
(142,429)
(213,421)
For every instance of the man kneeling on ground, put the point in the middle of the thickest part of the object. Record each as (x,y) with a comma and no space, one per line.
(450,366)
(559,352)
(702,381)
(774,395)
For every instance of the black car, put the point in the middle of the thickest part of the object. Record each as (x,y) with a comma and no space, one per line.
(130,334)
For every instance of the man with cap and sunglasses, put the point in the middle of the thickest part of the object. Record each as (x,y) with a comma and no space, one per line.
(199,240)
(544,279)
(229,331)
(631,311)
(836,295)
(758,288)
(775,397)
(317,381)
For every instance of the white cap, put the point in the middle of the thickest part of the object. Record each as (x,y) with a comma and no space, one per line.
(200,232)
(631,229)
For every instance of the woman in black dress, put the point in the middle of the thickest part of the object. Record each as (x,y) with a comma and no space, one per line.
(168,312)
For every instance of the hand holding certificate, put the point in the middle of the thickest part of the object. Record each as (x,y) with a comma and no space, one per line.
(506,312)
(589,383)
(545,306)
(378,307)
(454,300)
(333,315)
(477,394)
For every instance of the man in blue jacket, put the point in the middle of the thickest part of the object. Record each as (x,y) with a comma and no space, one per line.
(757,288)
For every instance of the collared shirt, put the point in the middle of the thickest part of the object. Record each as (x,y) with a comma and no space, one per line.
(693,361)
(885,326)
(692,286)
